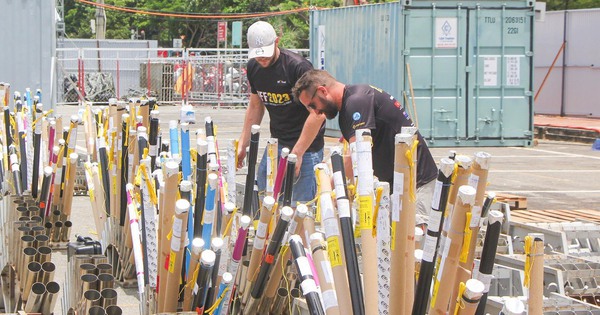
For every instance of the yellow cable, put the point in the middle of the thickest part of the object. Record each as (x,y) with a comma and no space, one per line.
(378,193)
(528,247)
(459,302)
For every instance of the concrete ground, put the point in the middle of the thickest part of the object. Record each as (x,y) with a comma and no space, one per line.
(552,175)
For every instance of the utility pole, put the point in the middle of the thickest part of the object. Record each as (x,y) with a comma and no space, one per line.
(100,21)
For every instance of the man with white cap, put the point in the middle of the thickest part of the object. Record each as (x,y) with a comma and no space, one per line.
(272,72)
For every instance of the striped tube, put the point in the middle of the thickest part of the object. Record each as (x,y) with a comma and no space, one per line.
(488,255)
(289,180)
(137,245)
(173,137)
(209,211)
(251,176)
(308,285)
(281,171)
(207,262)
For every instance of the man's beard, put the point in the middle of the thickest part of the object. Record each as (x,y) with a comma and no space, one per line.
(330,110)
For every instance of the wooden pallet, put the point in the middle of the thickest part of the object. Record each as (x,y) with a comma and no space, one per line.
(515,202)
(554,216)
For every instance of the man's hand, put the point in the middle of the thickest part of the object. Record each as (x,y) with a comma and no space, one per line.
(241,155)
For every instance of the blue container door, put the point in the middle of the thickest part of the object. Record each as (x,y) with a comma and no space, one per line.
(500,80)
(435,47)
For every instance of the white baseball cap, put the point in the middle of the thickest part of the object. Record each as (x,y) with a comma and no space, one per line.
(261,40)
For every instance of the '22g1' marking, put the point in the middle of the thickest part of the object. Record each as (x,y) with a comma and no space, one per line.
(513,30)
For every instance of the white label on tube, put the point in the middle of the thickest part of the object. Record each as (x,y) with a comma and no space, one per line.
(473,181)
(429,248)
(331,227)
(259,243)
(209,217)
(444,255)
(304,266)
(308,286)
(435,217)
(329,299)
(437,193)
(339,185)
(261,229)
(176,235)
(327,271)
(475,216)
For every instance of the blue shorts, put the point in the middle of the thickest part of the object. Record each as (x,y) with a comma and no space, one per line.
(305,186)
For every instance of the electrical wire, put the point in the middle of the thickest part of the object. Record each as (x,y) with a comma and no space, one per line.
(209,16)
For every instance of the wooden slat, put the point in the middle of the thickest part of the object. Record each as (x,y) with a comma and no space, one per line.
(554,216)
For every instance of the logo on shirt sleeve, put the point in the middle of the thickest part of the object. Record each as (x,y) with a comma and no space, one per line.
(356,116)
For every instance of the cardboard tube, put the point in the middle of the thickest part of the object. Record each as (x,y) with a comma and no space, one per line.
(317,244)
(477,180)
(536,285)
(402,265)
(366,201)
(451,251)
(197,248)
(176,255)
(67,201)
(469,299)
(335,250)
(167,212)
(260,238)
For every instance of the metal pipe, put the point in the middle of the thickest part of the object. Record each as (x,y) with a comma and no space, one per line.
(91,298)
(37,219)
(26,241)
(41,240)
(114,310)
(31,275)
(47,274)
(86,268)
(96,310)
(35,298)
(104,268)
(29,254)
(48,226)
(50,298)
(106,281)
(89,282)
(10,289)
(64,233)
(109,297)
(44,254)
(37,230)
(56,232)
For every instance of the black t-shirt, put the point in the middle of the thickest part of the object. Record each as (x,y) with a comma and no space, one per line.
(365,106)
(273,85)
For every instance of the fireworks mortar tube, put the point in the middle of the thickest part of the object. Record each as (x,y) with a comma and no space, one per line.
(216,245)
(167,211)
(123,167)
(488,255)
(186,169)
(295,227)
(260,237)
(251,176)
(365,198)
(149,201)
(153,138)
(288,186)
(534,265)
(231,171)
(69,186)
(22,149)
(469,298)
(271,156)
(71,141)
(137,245)
(223,301)
(434,226)
(281,171)
(236,255)
(201,167)
(326,282)
(343,206)
(45,191)
(14,162)
(37,144)
(197,248)
(446,273)
(269,259)
(104,166)
(383,229)
(97,197)
(478,180)
(308,285)
(173,137)
(207,262)
(209,210)
(59,170)
(402,266)
(176,255)
(330,224)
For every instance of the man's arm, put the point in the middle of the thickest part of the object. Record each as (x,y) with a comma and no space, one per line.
(311,128)
(254,116)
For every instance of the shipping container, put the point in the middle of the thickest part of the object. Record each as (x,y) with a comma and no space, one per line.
(467,66)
